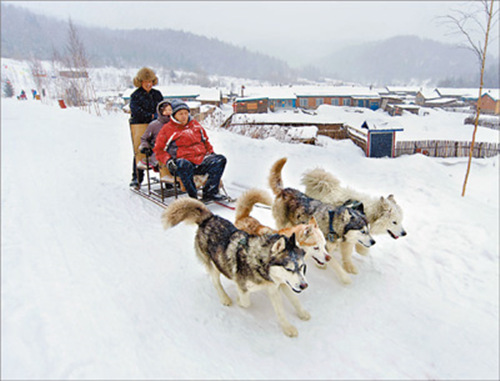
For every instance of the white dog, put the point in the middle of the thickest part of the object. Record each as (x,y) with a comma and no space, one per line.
(384,215)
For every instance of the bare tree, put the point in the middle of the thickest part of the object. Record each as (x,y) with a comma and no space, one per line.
(39,74)
(475,26)
(80,91)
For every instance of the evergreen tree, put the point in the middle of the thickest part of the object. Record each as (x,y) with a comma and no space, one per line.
(8,89)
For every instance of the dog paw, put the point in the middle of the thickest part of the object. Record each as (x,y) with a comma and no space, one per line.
(350,268)
(304,315)
(243,303)
(290,331)
(346,279)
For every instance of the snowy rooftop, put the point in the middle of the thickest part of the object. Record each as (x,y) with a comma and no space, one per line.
(292,92)
(463,92)
(184,91)
(403,89)
(429,94)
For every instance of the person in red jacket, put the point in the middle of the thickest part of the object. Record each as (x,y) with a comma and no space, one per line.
(183,146)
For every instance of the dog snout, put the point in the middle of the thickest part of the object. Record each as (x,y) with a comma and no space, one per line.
(327,257)
(403,233)
(303,286)
(372,242)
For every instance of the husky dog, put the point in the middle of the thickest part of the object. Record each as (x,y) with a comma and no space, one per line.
(383,214)
(308,236)
(271,262)
(339,224)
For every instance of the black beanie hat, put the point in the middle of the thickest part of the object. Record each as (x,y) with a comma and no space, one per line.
(178,105)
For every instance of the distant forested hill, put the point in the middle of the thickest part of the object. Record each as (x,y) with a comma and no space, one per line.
(25,34)
(399,60)
(406,58)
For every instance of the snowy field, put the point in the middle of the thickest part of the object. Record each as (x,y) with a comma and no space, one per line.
(94,288)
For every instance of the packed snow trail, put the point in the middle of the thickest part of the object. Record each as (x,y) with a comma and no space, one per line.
(94,288)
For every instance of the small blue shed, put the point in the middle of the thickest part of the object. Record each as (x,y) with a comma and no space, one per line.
(381,139)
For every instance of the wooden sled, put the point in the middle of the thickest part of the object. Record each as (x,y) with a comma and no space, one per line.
(167,186)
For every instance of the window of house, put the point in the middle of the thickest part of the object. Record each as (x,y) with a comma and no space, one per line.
(347,101)
(335,101)
(303,102)
(319,101)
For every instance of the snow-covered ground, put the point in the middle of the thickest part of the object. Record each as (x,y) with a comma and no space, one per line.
(94,288)
(430,124)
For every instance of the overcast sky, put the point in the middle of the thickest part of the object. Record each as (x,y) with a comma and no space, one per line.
(290,30)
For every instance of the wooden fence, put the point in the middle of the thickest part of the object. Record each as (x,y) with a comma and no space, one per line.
(334,131)
(435,148)
(446,148)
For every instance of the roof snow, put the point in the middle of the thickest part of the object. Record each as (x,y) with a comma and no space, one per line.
(184,91)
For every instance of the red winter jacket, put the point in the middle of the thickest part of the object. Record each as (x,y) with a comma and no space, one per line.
(188,142)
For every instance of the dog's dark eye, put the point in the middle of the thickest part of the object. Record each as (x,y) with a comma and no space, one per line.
(316,248)
(394,222)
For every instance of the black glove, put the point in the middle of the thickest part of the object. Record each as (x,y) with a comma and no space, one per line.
(172,166)
(147,151)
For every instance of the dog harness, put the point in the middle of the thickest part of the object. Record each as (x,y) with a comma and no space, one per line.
(332,234)
(349,204)
(354,204)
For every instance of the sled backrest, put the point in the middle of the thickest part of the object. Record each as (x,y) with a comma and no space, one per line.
(136,131)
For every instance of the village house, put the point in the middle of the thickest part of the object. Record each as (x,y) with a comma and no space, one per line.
(282,98)
(338,96)
(490,102)
(251,105)
(424,96)
(397,109)
(406,93)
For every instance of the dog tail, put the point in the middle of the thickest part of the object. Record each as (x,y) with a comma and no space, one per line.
(319,183)
(185,209)
(247,200)
(275,181)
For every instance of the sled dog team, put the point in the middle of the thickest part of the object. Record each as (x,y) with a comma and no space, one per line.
(327,218)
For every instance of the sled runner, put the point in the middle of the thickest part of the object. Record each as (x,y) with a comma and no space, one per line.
(167,187)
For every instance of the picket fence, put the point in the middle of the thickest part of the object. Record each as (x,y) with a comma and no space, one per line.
(446,148)
(435,148)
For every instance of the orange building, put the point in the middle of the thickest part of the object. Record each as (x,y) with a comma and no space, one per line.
(490,103)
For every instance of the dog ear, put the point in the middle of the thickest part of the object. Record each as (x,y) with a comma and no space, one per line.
(391,198)
(313,222)
(292,242)
(360,207)
(279,245)
(384,203)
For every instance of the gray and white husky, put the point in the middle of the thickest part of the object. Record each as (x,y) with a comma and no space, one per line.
(384,215)
(270,262)
(340,224)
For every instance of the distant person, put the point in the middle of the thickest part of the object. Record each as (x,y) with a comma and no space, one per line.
(148,139)
(23,96)
(183,146)
(143,102)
